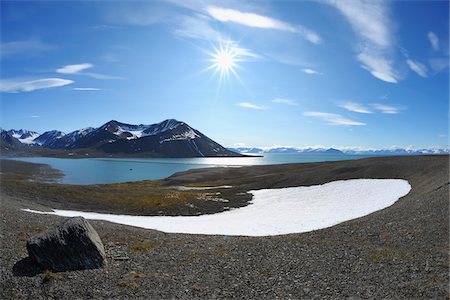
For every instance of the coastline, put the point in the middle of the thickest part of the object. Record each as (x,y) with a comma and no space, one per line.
(403,248)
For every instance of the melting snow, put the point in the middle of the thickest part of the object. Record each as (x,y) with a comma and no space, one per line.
(29,140)
(276,211)
(187,135)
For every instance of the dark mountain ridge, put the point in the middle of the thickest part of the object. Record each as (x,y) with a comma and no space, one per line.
(169,138)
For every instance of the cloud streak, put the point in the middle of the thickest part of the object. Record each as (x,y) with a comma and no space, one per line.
(311,72)
(23,48)
(285,101)
(333,119)
(370,21)
(387,109)
(16,86)
(417,67)
(86,89)
(251,106)
(74,69)
(196,28)
(259,21)
(356,107)
(79,68)
(434,40)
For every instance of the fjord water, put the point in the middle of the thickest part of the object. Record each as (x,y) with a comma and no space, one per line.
(113,170)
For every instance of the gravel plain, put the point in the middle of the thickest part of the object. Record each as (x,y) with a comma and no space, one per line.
(400,252)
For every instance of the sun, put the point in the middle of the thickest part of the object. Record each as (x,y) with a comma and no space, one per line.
(225,60)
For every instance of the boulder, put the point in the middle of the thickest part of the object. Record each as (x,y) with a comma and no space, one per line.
(71,245)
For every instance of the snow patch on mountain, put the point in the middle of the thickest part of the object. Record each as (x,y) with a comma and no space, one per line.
(187,135)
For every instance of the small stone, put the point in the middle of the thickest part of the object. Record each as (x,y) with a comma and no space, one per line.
(71,245)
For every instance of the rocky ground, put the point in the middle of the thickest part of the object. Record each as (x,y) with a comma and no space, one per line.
(398,252)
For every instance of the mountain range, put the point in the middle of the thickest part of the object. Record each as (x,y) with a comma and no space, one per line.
(388,151)
(169,138)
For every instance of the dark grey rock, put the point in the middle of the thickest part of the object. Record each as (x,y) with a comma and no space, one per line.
(73,244)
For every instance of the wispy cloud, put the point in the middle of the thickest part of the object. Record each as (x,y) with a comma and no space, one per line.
(434,40)
(379,66)
(79,70)
(23,48)
(35,116)
(356,107)
(387,109)
(15,86)
(251,105)
(86,89)
(371,22)
(291,102)
(137,13)
(196,28)
(333,119)
(439,64)
(105,27)
(74,69)
(259,21)
(311,72)
(417,67)
(101,76)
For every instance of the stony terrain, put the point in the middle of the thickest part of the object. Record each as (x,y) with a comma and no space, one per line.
(399,252)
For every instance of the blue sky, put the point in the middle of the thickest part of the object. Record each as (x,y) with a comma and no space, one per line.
(295,73)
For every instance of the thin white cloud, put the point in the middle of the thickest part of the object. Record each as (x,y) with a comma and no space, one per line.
(23,48)
(434,40)
(74,69)
(387,109)
(368,18)
(196,28)
(333,119)
(378,66)
(371,22)
(251,105)
(105,27)
(417,67)
(35,116)
(137,13)
(101,76)
(259,21)
(78,69)
(311,72)
(15,86)
(439,64)
(86,89)
(291,102)
(356,107)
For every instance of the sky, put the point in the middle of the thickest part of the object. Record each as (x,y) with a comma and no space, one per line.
(371,74)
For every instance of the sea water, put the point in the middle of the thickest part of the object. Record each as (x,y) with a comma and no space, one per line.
(113,170)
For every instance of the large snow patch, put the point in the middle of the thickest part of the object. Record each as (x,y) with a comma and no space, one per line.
(276,211)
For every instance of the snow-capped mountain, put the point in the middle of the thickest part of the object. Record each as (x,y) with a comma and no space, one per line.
(48,137)
(286,150)
(70,140)
(9,141)
(169,138)
(389,151)
(24,136)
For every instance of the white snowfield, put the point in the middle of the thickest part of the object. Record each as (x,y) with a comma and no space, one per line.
(276,211)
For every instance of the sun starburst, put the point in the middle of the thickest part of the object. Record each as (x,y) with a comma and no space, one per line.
(225,60)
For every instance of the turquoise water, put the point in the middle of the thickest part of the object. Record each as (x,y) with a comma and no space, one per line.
(112,170)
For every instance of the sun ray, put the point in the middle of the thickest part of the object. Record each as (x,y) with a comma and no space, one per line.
(225,60)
